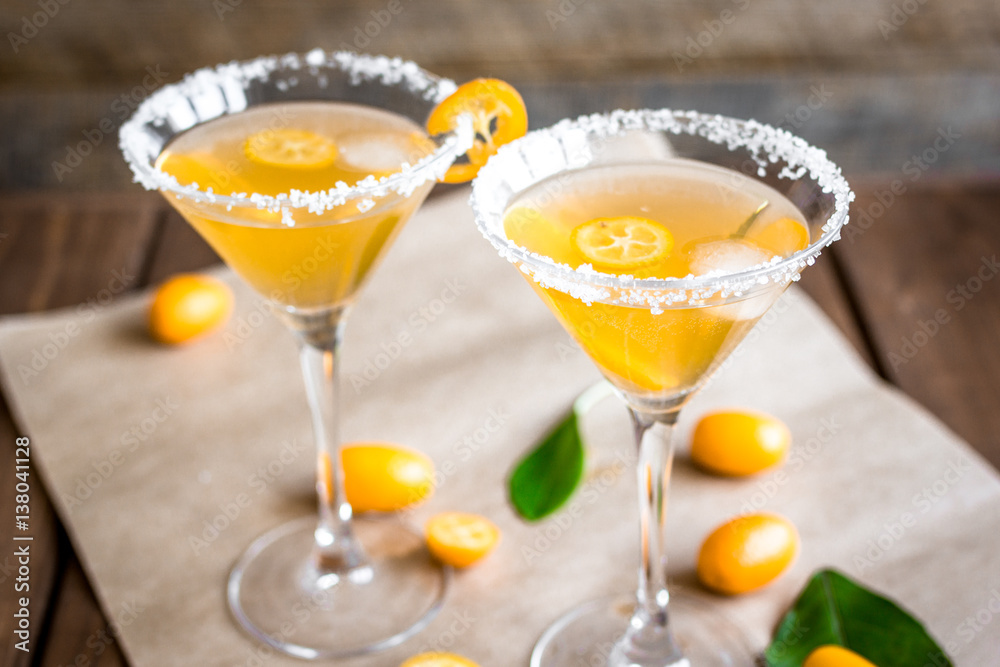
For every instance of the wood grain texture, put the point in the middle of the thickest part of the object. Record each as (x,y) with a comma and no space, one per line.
(179,248)
(56,251)
(113,41)
(79,633)
(62,250)
(868,124)
(823,284)
(44,550)
(924,267)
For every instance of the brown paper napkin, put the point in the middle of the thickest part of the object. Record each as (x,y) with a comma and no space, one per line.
(143,447)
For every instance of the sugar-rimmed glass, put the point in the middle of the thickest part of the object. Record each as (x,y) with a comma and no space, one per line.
(657,627)
(337,586)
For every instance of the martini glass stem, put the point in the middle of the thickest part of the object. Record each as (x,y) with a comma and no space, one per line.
(649,641)
(337,552)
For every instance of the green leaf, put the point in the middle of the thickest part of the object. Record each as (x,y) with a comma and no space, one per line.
(547,476)
(832,609)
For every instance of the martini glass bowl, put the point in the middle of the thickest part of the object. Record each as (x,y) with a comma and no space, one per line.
(657,627)
(333,585)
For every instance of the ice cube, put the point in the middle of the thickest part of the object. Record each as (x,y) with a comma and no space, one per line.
(726,256)
(375,152)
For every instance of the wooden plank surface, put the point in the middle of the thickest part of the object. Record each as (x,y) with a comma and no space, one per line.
(79,633)
(924,268)
(114,41)
(869,124)
(56,251)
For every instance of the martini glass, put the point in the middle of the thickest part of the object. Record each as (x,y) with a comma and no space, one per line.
(657,339)
(333,586)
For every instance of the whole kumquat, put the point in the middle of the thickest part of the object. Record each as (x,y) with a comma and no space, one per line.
(383,477)
(832,655)
(438,660)
(738,442)
(747,553)
(187,307)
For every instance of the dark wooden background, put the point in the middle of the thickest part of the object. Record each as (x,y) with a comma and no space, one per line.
(875,82)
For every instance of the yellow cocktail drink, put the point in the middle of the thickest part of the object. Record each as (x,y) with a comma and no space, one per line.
(665,220)
(319,258)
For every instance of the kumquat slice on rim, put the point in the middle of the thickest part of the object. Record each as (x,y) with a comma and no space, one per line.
(498,117)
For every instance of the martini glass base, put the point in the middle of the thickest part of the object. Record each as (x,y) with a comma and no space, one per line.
(586,635)
(277,596)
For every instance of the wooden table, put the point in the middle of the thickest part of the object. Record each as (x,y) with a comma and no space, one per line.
(913,285)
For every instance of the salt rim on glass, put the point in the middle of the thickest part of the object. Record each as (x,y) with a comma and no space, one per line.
(215,91)
(569,145)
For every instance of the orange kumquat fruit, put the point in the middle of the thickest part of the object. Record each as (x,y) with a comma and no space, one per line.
(438,660)
(738,443)
(747,553)
(187,307)
(383,477)
(832,655)
(460,539)
(498,117)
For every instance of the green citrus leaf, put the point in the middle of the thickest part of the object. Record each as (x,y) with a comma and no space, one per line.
(547,476)
(832,609)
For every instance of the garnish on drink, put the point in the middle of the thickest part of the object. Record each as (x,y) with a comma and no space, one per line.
(498,115)
(658,269)
(657,221)
(300,171)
